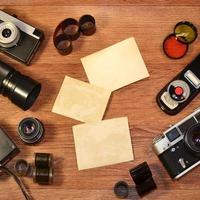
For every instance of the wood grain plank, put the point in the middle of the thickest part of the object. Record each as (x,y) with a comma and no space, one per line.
(149,25)
(99,2)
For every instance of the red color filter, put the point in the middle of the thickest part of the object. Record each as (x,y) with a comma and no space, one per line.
(173,48)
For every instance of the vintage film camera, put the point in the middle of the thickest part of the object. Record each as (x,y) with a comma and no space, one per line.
(178,148)
(181,90)
(18,39)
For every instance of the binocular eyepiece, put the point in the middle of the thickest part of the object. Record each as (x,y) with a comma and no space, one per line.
(20,89)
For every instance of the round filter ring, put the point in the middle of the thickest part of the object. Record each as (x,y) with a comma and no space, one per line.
(121,190)
(173,48)
(22,167)
(186,32)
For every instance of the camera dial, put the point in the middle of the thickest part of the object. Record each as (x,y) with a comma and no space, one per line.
(9,34)
(179,90)
(192,139)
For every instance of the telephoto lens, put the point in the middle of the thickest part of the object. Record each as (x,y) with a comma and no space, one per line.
(31,130)
(20,89)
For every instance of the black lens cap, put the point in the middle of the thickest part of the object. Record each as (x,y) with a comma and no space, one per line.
(121,189)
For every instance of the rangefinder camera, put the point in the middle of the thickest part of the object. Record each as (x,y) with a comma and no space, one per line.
(178,148)
(18,39)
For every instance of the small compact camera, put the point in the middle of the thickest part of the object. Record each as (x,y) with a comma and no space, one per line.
(180,91)
(178,148)
(18,39)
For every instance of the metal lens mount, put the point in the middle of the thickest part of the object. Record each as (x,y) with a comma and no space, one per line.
(9,34)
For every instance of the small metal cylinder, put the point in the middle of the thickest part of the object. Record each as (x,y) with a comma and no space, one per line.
(43,176)
(43,160)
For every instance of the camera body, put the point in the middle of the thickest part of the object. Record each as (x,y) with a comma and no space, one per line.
(8,148)
(178,148)
(18,39)
(181,90)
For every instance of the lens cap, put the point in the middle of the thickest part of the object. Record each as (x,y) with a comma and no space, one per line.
(121,190)
(192,139)
(186,32)
(173,48)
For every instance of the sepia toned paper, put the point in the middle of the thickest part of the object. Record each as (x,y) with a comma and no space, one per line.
(116,66)
(81,101)
(102,143)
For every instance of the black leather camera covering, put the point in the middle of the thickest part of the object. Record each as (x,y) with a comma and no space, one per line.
(170,159)
(26,47)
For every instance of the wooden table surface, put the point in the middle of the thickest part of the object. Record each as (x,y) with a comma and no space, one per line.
(149,22)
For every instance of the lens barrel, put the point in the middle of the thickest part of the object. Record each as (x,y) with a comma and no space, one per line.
(31,130)
(20,89)
(192,139)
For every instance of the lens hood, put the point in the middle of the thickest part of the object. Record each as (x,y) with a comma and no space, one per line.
(20,89)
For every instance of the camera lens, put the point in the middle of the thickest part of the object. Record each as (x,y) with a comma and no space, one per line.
(192,139)
(20,89)
(31,130)
(9,34)
(28,127)
(196,139)
(6,33)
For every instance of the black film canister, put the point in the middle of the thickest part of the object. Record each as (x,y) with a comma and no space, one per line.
(147,186)
(43,176)
(43,160)
(63,44)
(121,189)
(70,28)
(87,25)
(143,179)
(20,89)
(31,130)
